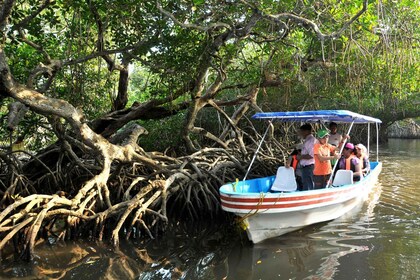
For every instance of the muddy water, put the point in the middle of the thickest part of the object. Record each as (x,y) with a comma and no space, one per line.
(379,240)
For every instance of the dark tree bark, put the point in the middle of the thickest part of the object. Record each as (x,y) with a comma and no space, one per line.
(122,97)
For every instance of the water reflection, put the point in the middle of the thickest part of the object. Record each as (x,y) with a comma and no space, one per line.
(312,253)
(78,260)
(380,240)
(397,253)
(348,235)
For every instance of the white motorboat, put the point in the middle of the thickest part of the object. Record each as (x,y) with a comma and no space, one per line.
(268,214)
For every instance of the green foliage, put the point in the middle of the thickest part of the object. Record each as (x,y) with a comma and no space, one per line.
(34,129)
(141,81)
(371,67)
(22,59)
(164,134)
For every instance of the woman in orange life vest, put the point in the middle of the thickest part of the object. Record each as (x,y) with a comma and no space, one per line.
(323,154)
(292,161)
(349,161)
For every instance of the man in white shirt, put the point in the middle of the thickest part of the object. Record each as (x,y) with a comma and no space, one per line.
(306,158)
(335,138)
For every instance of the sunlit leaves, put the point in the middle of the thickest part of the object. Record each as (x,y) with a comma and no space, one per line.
(198,2)
(371,59)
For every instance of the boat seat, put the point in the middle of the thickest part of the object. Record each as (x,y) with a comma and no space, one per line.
(285,180)
(343,177)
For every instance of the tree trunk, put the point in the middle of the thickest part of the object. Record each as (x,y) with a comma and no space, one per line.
(122,97)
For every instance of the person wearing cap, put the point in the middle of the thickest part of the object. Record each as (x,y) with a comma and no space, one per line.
(349,161)
(323,154)
(293,162)
(306,157)
(362,155)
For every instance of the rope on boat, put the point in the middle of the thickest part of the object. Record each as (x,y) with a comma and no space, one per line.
(241,221)
(250,213)
(235,184)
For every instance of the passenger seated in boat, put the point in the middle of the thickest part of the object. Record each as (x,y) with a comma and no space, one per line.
(292,161)
(323,154)
(349,161)
(362,155)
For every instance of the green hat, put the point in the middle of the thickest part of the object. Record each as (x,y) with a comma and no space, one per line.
(322,133)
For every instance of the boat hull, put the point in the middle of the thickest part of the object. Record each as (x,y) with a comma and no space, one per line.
(266,215)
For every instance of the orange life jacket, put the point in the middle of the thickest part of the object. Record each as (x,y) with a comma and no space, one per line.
(349,163)
(295,162)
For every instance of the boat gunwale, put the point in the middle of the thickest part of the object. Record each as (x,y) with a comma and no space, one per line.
(245,195)
(283,199)
(297,201)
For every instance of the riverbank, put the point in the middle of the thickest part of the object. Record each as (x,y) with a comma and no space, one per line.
(365,244)
(407,129)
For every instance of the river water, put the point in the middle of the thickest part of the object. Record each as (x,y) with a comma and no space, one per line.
(379,240)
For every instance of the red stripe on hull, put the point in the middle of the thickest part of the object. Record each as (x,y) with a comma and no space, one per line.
(282,198)
(274,206)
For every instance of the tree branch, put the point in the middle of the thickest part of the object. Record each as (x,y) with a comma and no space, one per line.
(348,23)
(27,19)
(189,25)
(100,44)
(5,12)
(309,23)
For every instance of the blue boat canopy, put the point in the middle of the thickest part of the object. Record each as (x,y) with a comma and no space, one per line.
(338,116)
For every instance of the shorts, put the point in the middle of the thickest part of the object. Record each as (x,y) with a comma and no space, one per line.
(320,181)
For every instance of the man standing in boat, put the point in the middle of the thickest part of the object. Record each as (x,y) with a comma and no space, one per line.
(335,138)
(306,157)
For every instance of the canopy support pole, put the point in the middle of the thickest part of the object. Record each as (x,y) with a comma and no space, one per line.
(329,184)
(377,142)
(256,152)
(368,140)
